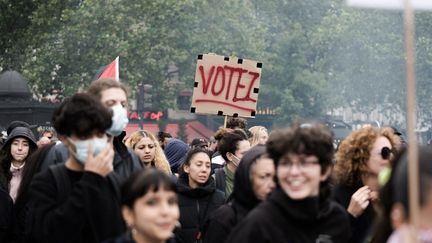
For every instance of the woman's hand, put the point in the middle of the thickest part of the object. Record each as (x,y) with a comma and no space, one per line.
(359,201)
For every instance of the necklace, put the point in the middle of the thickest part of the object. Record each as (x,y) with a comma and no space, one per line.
(17,167)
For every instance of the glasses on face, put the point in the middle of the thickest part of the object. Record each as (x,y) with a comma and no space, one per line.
(386,153)
(302,164)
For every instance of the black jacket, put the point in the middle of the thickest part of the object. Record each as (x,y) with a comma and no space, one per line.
(280,219)
(6,215)
(127,238)
(242,200)
(87,210)
(361,225)
(222,222)
(125,161)
(195,207)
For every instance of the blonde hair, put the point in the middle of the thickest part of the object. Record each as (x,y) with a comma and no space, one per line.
(256,132)
(160,161)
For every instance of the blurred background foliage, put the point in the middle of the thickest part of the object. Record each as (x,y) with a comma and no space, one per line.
(317,55)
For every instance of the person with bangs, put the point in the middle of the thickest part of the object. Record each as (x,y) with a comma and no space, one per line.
(361,157)
(147,147)
(114,96)
(19,145)
(299,209)
(149,208)
(198,196)
(21,206)
(78,201)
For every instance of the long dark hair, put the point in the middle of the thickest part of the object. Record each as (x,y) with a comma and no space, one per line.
(32,167)
(5,163)
(190,155)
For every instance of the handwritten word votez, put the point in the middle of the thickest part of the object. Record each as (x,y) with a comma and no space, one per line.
(226,87)
(222,72)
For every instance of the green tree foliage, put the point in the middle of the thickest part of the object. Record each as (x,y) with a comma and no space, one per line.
(317,55)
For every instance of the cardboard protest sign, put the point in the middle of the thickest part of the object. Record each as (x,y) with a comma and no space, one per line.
(226,86)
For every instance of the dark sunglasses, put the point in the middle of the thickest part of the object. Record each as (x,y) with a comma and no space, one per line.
(386,153)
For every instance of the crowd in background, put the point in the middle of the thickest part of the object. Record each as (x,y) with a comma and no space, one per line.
(88,182)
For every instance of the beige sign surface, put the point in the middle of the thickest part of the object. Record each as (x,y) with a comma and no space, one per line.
(226,86)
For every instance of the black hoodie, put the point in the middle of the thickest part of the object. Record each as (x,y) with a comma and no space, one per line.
(195,206)
(281,219)
(241,201)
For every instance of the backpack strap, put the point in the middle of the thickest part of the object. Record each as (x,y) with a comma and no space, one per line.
(115,185)
(220,179)
(62,181)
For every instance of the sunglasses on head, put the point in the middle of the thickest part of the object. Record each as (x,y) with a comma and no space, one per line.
(386,153)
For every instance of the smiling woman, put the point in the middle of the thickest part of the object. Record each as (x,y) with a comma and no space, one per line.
(299,209)
(149,208)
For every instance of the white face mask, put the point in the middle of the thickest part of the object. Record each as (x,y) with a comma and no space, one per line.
(235,160)
(119,120)
(81,147)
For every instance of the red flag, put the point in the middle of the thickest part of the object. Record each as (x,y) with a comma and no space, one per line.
(112,70)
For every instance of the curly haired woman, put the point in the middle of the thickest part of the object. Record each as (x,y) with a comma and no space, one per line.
(147,147)
(359,160)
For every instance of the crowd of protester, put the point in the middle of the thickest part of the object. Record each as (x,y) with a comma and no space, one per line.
(86,181)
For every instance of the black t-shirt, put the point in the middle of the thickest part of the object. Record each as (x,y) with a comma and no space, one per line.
(87,209)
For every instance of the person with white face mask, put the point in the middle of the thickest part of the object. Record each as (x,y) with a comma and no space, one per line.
(232,147)
(113,95)
(77,201)
(119,120)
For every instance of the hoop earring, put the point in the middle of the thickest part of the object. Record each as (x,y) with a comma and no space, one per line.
(132,229)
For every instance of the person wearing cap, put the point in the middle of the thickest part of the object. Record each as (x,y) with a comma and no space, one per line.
(199,143)
(16,149)
(175,152)
(253,181)
(15,124)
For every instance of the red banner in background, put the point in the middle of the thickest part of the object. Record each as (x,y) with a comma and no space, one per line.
(112,70)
